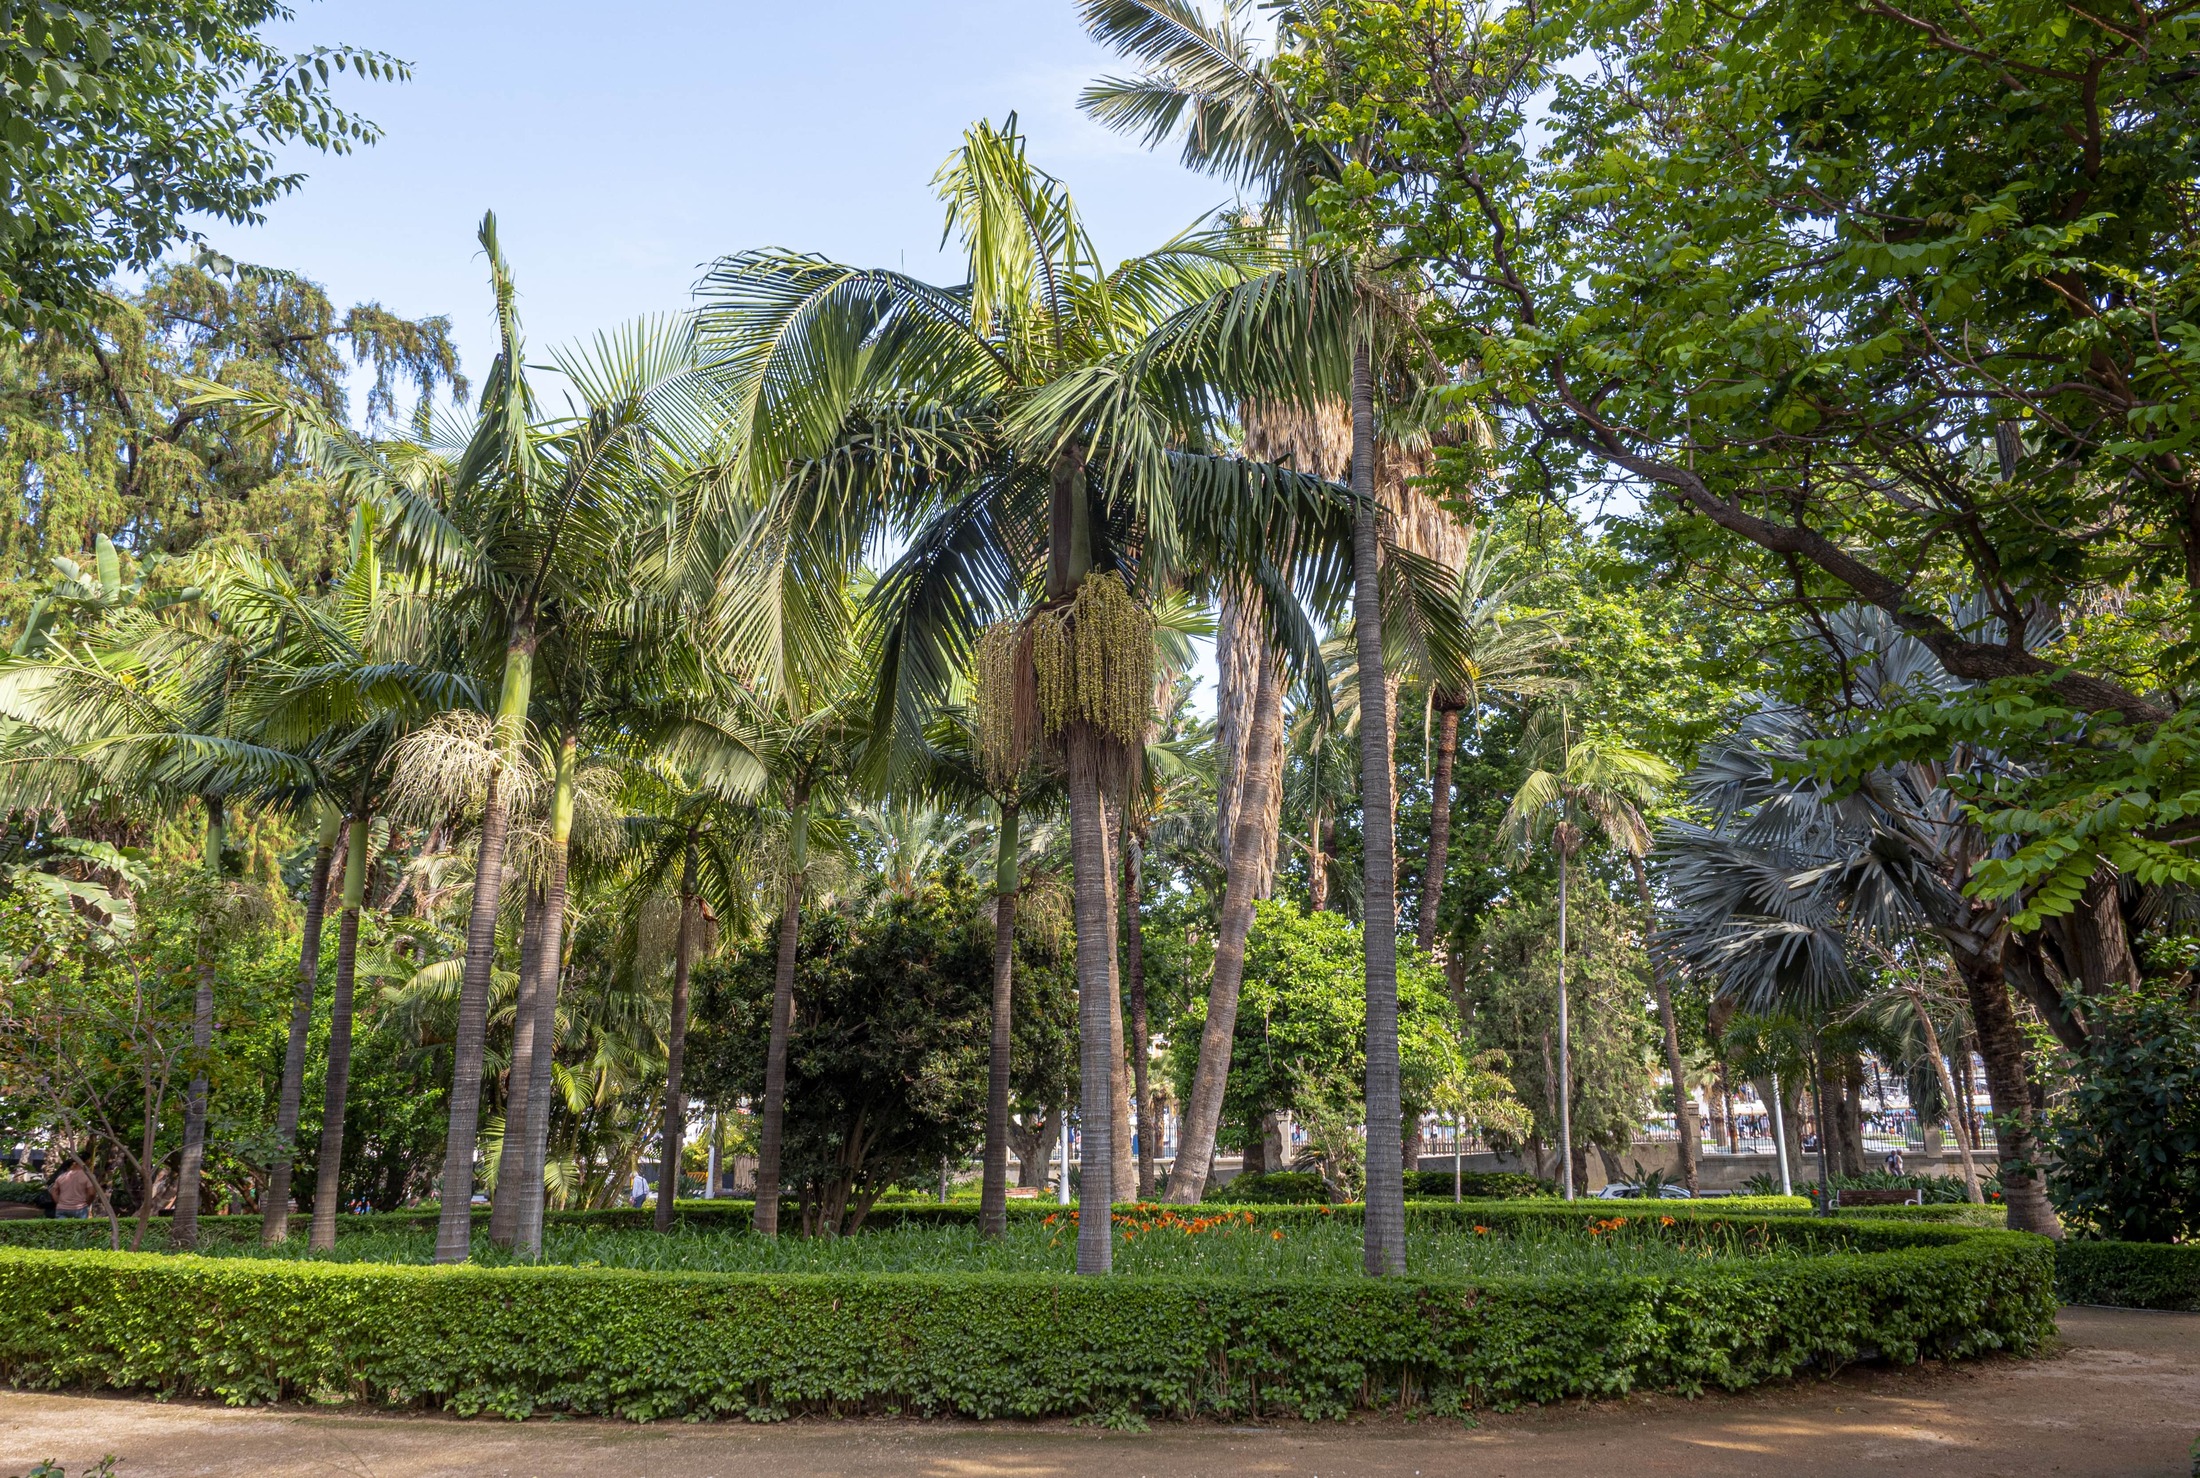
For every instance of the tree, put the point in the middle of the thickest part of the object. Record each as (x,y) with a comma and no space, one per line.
(1578,784)
(886,1069)
(2126,1143)
(1031,431)
(121,119)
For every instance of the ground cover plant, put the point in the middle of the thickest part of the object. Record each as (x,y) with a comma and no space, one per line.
(1231,1313)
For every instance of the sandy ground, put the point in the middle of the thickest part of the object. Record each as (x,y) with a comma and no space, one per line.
(2121,1399)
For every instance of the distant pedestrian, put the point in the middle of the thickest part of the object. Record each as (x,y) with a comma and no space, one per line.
(74,1192)
(639,1190)
(1894,1162)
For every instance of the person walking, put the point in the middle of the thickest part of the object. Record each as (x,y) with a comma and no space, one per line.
(639,1190)
(73,1193)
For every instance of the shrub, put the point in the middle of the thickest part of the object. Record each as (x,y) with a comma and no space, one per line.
(2126,1142)
(23,1192)
(1276,1188)
(648,1345)
(2132,1275)
(1476,1185)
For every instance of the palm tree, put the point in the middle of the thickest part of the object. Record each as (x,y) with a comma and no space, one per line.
(1035,436)
(1578,784)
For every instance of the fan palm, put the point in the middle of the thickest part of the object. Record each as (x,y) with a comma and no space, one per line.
(1034,435)
(1579,784)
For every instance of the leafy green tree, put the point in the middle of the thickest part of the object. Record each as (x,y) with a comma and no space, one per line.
(2126,1141)
(122,119)
(886,1064)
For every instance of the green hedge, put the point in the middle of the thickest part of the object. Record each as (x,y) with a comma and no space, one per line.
(647,1345)
(2134,1275)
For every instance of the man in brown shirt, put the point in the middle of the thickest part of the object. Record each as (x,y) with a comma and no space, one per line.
(73,1193)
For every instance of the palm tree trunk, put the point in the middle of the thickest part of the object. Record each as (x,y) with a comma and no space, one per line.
(183,1228)
(771,1131)
(519,1078)
(328,1190)
(1439,829)
(1091,885)
(1383,1249)
(1971,1191)
(454,1225)
(1007,883)
(1134,966)
(275,1212)
(2016,1125)
(683,963)
(1195,1138)
(1565,1046)
(1125,1178)
(1682,1108)
(1317,859)
(527,1237)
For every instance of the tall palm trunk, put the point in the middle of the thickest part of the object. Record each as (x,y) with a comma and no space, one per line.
(328,1190)
(1007,883)
(275,1212)
(1088,833)
(1383,1249)
(1683,1107)
(773,1129)
(454,1226)
(683,963)
(527,1236)
(1565,1040)
(1317,858)
(1195,1138)
(1971,1191)
(1439,829)
(183,1229)
(1125,1176)
(1134,969)
(2016,1126)
(519,1078)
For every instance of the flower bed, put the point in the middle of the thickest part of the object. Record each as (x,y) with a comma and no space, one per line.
(654,1344)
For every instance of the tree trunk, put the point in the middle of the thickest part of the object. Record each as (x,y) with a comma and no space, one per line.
(1124,1187)
(1439,829)
(1384,1227)
(773,1128)
(1007,884)
(1134,965)
(1852,1114)
(1195,1139)
(1683,1106)
(683,964)
(1317,859)
(328,1190)
(519,1079)
(183,1227)
(1971,1190)
(528,1235)
(1096,1050)
(454,1224)
(2016,1122)
(1565,1043)
(275,1214)
(1249,683)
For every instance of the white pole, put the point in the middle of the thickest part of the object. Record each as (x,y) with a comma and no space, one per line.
(710,1184)
(1780,1139)
(1061,1191)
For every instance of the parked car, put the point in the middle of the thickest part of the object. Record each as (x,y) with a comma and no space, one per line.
(1623,1190)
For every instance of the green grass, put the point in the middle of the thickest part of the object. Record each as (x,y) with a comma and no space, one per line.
(1227,1247)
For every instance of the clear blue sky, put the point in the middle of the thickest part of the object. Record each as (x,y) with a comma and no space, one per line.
(624,146)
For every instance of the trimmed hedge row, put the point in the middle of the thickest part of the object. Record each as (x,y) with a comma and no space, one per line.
(738,1216)
(2132,1275)
(647,1345)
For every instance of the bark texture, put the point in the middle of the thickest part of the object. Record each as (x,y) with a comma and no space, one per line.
(518,1078)
(1098,1057)
(454,1224)
(328,1191)
(183,1226)
(683,964)
(1439,829)
(275,1213)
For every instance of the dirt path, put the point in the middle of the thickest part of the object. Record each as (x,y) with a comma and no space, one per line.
(2121,1400)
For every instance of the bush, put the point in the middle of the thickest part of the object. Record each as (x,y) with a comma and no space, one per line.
(2125,1144)
(23,1192)
(1276,1188)
(1476,1185)
(648,1345)
(2132,1275)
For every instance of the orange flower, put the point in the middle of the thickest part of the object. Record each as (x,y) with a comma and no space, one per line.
(1275,1236)
(1049,1221)
(1481,1231)
(1665,1221)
